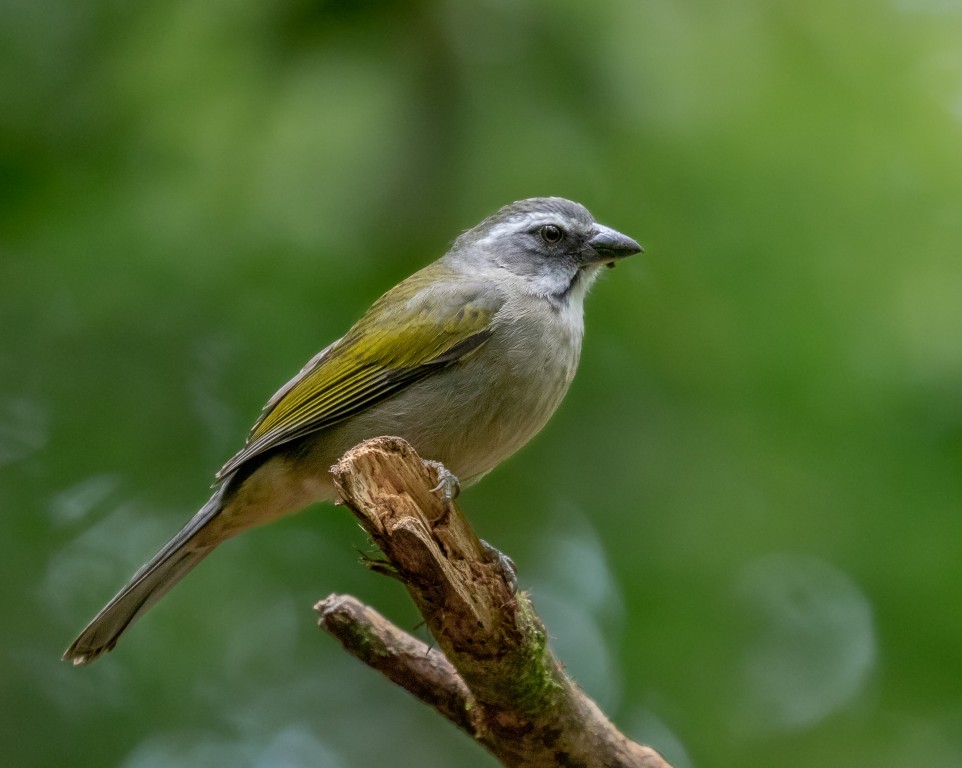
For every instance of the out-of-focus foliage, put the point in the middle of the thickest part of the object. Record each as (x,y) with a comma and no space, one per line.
(744,526)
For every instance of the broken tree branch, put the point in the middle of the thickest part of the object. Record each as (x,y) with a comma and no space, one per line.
(493,675)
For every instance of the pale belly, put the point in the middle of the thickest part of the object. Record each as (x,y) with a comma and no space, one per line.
(470,417)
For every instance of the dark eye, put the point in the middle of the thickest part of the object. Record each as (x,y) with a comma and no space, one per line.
(551,234)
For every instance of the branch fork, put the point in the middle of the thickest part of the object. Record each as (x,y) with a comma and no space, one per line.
(492,673)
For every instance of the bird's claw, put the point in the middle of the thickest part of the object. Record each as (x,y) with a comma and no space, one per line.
(508,569)
(448,484)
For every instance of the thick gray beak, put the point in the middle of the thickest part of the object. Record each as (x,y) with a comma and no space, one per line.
(606,245)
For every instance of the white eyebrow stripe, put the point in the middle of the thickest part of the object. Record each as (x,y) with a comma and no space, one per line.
(521,224)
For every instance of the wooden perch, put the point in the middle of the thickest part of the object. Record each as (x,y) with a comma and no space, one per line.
(494,676)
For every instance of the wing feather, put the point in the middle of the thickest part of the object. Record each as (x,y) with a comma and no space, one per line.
(420,326)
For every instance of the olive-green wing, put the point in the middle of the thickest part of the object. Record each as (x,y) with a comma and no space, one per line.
(419,327)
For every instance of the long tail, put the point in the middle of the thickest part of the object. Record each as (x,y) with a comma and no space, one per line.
(174,561)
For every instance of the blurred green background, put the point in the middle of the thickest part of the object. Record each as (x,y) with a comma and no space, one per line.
(743,526)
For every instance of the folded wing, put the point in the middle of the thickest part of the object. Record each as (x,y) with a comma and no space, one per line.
(423,325)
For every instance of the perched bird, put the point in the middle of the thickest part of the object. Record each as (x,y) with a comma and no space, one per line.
(466,359)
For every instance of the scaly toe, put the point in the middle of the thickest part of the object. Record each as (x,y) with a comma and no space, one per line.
(448,484)
(508,569)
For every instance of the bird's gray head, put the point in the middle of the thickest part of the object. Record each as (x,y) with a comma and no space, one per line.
(555,244)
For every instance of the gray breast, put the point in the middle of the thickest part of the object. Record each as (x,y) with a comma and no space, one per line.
(478,412)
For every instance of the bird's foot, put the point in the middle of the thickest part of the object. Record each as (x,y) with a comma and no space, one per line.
(448,484)
(508,569)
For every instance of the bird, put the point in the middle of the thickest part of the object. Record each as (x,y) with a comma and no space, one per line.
(466,359)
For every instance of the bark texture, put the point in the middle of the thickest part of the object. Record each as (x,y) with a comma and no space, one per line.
(492,673)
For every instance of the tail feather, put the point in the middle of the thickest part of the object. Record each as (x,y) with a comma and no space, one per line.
(150,583)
